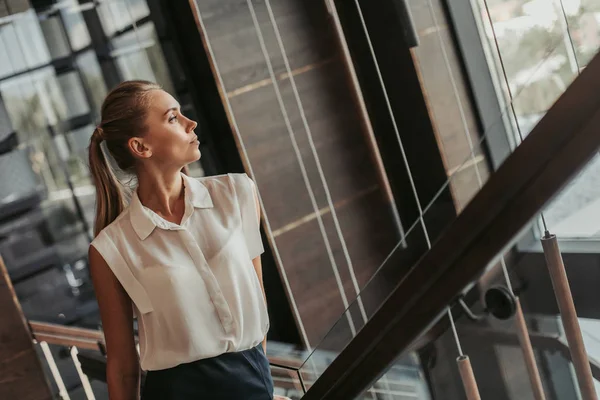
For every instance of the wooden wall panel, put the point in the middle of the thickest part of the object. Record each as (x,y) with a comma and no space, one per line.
(236,46)
(21,374)
(448,100)
(361,208)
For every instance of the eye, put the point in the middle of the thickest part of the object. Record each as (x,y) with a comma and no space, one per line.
(172,118)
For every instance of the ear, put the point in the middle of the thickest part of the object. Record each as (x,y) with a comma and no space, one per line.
(138,148)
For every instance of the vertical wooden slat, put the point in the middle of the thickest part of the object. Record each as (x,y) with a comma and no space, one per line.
(528,355)
(558,275)
(468,378)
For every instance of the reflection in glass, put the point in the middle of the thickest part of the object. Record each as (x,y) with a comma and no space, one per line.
(130,52)
(88,66)
(74,24)
(6,67)
(74,96)
(78,142)
(23,106)
(135,65)
(140,37)
(533,51)
(31,39)
(18,178)
(574,213)
(55,37)
(582,20)
(137,9)
(5,123)
(114,16)
(541,47)
(13,59)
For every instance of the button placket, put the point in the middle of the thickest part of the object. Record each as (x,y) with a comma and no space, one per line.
(214,291)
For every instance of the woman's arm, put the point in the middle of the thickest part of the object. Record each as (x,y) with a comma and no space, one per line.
(122,368)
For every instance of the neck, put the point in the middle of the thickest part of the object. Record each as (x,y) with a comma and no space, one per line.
(160,191)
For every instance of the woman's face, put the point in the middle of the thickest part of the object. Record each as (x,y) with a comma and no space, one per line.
(170,140)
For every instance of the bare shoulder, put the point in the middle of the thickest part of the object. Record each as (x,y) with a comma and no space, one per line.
(101,273)
(95,257)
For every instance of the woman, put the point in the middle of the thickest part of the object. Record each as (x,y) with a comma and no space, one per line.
(183,255)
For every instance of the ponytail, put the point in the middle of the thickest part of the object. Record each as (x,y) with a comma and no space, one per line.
(109,195)
(123,115)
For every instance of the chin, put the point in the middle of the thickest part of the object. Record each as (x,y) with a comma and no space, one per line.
(196,157)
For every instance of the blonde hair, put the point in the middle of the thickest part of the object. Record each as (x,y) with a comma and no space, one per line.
(123,116)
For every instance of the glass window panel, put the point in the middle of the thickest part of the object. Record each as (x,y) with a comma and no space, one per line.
(92,76)
(62,148)
(114,16)
(583,22)
(29,103)
(5,63)
(5,123)
(135,66)
(573,213)
(79,139)
(55,36)
(143,36)
(534,51)
(14,57)
(23,106)
(74,95)
(57,299)
(17,177)
(140,56)
(76,28)
(159,66)
(31,39)
(138,9)
(50,95)
(73,158)
(55,176)
(542,45)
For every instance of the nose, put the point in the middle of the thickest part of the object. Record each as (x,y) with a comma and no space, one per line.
(192,125)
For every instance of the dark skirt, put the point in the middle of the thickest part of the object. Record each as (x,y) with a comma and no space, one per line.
(243,375)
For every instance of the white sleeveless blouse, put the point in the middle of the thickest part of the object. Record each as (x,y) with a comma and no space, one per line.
(193,286)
